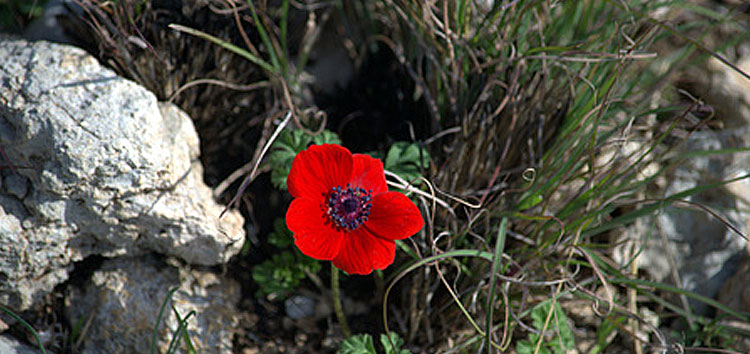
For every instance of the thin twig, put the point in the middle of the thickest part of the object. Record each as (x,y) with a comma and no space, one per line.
(250,177)
(228,85)
(403,184)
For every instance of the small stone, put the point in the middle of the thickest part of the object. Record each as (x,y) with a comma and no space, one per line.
(299,306)
(27,224)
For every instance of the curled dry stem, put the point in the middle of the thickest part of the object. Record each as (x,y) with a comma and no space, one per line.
(251,176)
(409,188)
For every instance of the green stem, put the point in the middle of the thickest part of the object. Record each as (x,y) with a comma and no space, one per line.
(337,301)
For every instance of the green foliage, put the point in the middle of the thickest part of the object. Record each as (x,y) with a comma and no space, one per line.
(397,342)
(407,160)
(280,237)
(281,274)
(603,332)
(15,14)
(711,334)
(562,342)
(287,146)
(363,344)
(358,344)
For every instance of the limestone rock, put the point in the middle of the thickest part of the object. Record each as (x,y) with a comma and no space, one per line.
(687,246)
(727,91)
(124,298)
(100,169)
(735,294)
(10,345)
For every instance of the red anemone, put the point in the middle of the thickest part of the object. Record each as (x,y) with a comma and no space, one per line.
(342,209)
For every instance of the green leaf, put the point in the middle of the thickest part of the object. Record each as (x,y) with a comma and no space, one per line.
(280,237)
(231,47)
(530,200)
(528,346)
(286,148)
(563,340)
(358,344)
(326,137)
(407,160)
(280,275)
(397,342)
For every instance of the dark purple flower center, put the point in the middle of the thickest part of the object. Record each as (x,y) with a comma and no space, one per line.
(349,207)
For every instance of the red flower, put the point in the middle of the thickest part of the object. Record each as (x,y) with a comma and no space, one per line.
(342,209)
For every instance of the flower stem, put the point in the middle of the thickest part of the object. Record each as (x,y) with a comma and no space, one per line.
(337,302)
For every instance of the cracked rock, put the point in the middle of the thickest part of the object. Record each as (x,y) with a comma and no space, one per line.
(101,168)
(123,298)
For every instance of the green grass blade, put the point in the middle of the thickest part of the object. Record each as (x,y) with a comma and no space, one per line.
(652,207)
(27,325)
(675,290)
(284,50)
(497,260)
(235,49)
(180,333)
(264,37)
(158,318)
(451,254)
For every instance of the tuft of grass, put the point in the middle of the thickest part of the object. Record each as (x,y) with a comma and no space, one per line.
(547,114)
(548,127)
(180,333)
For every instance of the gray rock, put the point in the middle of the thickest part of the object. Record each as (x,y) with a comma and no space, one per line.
(299,306)
(10,345)
(726,90)
(687,246)
(16,185)
(123,298)
(735,294)
(107,171)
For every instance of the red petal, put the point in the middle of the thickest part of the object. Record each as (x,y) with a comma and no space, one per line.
(316,238)
(318,169)
(362,252)
(367,173)
(393,216)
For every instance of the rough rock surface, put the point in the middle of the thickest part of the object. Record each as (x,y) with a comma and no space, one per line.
(687,246)
(727,91)
(100,169)
(124,296)
(736,295)
(10,345)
